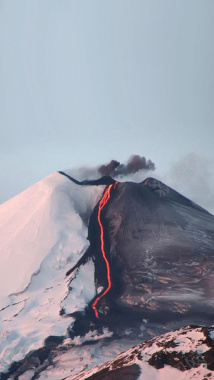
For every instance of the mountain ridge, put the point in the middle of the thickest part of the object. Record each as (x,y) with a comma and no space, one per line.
(159,245)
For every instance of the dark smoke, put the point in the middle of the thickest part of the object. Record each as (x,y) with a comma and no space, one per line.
(134,165)
(109,168)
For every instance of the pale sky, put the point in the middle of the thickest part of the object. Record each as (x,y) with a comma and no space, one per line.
(82,82)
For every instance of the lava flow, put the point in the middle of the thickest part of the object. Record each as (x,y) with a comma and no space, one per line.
(104,200)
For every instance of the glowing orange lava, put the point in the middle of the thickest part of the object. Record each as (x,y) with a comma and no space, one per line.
(102,203)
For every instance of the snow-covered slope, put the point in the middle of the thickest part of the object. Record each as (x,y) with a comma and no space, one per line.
(184,354)
(43,232)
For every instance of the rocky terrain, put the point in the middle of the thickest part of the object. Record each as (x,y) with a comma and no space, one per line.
(187,353)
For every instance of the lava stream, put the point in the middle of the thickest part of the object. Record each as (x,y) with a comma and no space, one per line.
(104,200)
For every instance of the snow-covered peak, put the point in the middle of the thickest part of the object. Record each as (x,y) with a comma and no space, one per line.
(43,232)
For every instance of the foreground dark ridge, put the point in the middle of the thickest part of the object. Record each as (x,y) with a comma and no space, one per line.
(188,350)
(185,353)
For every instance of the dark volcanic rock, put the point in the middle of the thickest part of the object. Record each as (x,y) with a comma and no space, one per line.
(159,245)
(161,250)
(131,372)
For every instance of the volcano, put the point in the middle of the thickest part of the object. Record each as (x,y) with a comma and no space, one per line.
(92,268)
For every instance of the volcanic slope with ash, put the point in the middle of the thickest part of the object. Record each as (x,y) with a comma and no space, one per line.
(161,253)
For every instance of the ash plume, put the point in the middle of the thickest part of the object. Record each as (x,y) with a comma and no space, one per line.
(110,168)
(134,165)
